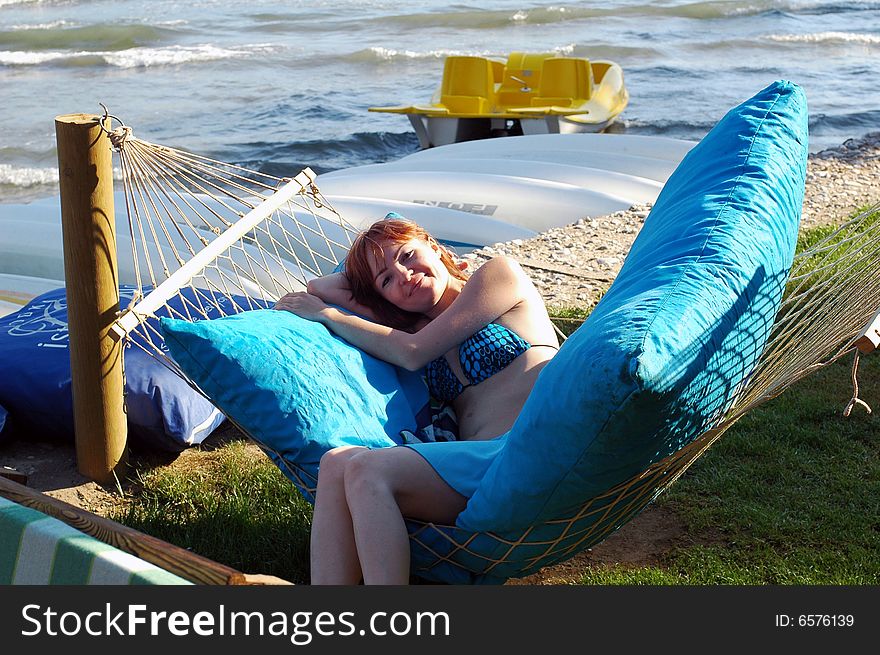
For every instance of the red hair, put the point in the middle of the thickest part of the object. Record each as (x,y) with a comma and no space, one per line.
(367,248)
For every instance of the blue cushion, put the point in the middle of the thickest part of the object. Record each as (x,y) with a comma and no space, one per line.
(680,329)
(163,412)
(295,387)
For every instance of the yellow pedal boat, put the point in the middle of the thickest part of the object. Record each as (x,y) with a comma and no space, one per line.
(528,93)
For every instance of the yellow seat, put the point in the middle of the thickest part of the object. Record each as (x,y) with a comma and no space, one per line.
(565,82)
(468,85)
(521,78)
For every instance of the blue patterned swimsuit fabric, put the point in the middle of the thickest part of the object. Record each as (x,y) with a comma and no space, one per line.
(482,355)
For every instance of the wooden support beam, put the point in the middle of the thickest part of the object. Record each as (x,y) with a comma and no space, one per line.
(91,278)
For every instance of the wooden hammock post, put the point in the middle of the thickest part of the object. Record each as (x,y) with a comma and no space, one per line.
(89,235)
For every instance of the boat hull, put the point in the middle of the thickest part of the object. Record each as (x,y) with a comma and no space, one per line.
(434,131)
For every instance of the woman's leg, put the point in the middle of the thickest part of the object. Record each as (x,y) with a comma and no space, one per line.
(334,558)
(381,487)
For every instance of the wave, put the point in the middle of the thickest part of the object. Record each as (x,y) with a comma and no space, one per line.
(9,3)
(822,8)
(852,122)
(378,54)
(86,37)
(665,127)
(832,38)
(323,155)
(282,23)
(495,18)
(382,55)
(706,10)
(34,176)
(43,26)
(828,124)
(762,42)
(25,176)
(133,57)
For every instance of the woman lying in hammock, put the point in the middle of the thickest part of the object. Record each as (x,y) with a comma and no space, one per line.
(483,340)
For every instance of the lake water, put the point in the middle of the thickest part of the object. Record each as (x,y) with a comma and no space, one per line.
(278,85)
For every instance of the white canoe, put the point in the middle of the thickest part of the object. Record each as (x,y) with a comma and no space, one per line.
(629,187)
(532,182)
(637,157)
(16,291)
(31,241)
(633,171)
(564,146)
(528,203)
(461,230)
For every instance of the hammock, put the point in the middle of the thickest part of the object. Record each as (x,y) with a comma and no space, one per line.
(239,239)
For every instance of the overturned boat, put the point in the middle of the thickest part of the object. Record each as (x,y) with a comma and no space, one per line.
(528,93)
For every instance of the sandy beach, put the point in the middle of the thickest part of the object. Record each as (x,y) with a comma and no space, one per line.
(571,265)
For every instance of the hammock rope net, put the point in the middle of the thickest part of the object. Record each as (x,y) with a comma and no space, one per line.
(220,239)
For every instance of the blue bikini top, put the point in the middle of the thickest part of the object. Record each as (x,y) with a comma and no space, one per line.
(481,355)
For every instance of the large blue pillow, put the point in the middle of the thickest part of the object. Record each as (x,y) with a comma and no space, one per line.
(295,387)
(679,331)
(163,412)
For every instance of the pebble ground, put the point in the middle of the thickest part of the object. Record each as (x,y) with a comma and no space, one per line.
(573,265)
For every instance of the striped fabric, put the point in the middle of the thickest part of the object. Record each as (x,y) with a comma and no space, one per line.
(36,549)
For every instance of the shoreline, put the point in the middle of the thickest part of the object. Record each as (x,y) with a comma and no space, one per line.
(575,264)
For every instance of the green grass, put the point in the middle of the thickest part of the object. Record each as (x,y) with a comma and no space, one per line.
(789,495)
(236,508)
(569,319)
(810,237)
(836,256)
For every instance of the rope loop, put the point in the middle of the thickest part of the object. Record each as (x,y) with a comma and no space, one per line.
(855,400)
(315,193)
(118,136)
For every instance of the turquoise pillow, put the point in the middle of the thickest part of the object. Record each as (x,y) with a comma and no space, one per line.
(665,351)
(296,388)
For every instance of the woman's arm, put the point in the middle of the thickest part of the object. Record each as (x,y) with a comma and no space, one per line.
(494,289)
(334,289)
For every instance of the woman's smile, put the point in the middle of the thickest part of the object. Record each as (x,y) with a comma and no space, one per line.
(416,282)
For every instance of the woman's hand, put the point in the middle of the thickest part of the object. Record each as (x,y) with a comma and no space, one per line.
(302,304)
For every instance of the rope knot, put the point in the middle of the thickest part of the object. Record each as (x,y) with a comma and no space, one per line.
(118,137)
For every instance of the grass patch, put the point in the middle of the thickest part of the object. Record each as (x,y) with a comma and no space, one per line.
(790,495)
(836,252)
(235,507)
(812,236)
(569,319)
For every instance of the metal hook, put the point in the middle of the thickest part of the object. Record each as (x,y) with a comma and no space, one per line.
(120,134)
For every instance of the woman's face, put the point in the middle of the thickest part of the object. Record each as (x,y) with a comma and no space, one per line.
(410,275)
